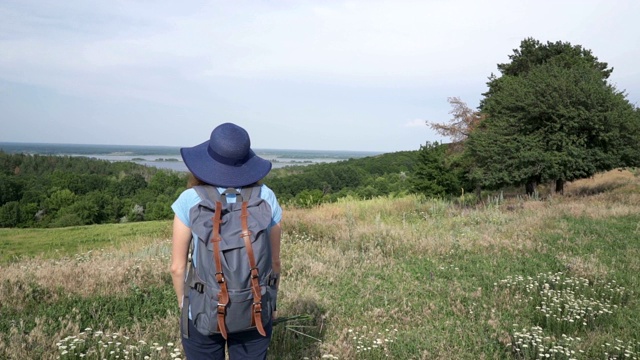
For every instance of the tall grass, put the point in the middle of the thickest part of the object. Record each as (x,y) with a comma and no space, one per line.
(400,278)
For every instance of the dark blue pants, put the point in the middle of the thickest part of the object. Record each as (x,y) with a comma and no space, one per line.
(247,345)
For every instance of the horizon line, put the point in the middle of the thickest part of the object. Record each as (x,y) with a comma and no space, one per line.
(14,143)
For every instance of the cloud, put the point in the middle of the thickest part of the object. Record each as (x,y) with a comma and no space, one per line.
(370,43)
(305,64)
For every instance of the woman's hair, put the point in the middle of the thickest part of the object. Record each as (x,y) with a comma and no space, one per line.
(194,181)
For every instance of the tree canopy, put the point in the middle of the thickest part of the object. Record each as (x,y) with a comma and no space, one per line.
(552,115)
(435,174)
(55,191)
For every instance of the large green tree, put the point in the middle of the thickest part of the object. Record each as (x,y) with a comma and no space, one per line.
(552,116)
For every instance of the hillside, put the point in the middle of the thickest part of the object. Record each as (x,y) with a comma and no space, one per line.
(399,278)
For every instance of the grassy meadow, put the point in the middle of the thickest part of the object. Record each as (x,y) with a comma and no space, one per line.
(400,278)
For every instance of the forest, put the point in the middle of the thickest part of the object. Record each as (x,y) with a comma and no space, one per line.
(59,191)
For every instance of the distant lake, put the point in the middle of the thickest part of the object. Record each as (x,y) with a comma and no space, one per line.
(167,157)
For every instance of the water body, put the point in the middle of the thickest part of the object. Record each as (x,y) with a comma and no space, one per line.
(167,157)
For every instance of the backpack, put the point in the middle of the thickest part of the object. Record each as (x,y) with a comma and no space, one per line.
(230,288)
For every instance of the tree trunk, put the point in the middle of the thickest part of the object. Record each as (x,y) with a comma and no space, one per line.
(530,187)
(560,186)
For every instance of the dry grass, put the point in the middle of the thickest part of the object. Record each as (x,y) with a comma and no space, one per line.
(414,224)
(604,181)
(89,274)
(614,193)
(585,267)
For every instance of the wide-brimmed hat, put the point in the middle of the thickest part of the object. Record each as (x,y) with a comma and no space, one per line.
(226,159)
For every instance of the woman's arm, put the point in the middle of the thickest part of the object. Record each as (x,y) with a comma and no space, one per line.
(179,255)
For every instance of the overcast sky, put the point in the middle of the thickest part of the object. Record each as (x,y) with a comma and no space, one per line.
(320,75)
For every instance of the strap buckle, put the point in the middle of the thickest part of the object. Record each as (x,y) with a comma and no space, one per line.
(222,309)
(255,273)
(199,287)
(219,277)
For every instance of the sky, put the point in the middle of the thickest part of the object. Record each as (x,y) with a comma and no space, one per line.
(361,75)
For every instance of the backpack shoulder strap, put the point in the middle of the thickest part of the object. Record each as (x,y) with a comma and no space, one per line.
(208,192)
(247,191)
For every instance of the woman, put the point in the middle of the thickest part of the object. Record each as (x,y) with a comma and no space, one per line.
(225,161)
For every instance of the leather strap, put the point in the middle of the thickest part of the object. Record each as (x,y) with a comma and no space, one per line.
(255,285)
(223,295)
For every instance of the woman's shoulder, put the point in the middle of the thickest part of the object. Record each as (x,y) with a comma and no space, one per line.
(188,192)
(266,192)
(189,197)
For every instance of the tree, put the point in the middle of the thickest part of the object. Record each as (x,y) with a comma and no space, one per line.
(463,122)
(10,214)
(434,176)
(551,116)
(10,189)
(159,208)
(164,182)
(130,185)
(60,199)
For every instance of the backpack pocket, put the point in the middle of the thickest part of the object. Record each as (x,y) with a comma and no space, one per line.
(201,306)
(239,310)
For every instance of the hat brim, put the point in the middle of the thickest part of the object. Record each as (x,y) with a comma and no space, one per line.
(205,168)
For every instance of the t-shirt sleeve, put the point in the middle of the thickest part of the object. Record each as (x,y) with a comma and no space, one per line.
(183,205)
(270,197)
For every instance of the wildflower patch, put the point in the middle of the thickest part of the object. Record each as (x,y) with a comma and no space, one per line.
(369,343)
(564,304)
(562,307)
(90,344)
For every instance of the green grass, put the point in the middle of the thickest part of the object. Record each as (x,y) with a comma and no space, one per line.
(615,240)
(58,242)
(142,305)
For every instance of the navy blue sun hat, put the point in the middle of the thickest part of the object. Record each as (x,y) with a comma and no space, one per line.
(226,159)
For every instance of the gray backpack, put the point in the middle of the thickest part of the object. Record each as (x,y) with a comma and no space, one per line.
(229,285)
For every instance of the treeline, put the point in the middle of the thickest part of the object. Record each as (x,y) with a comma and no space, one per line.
(57,191)
(304,186)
